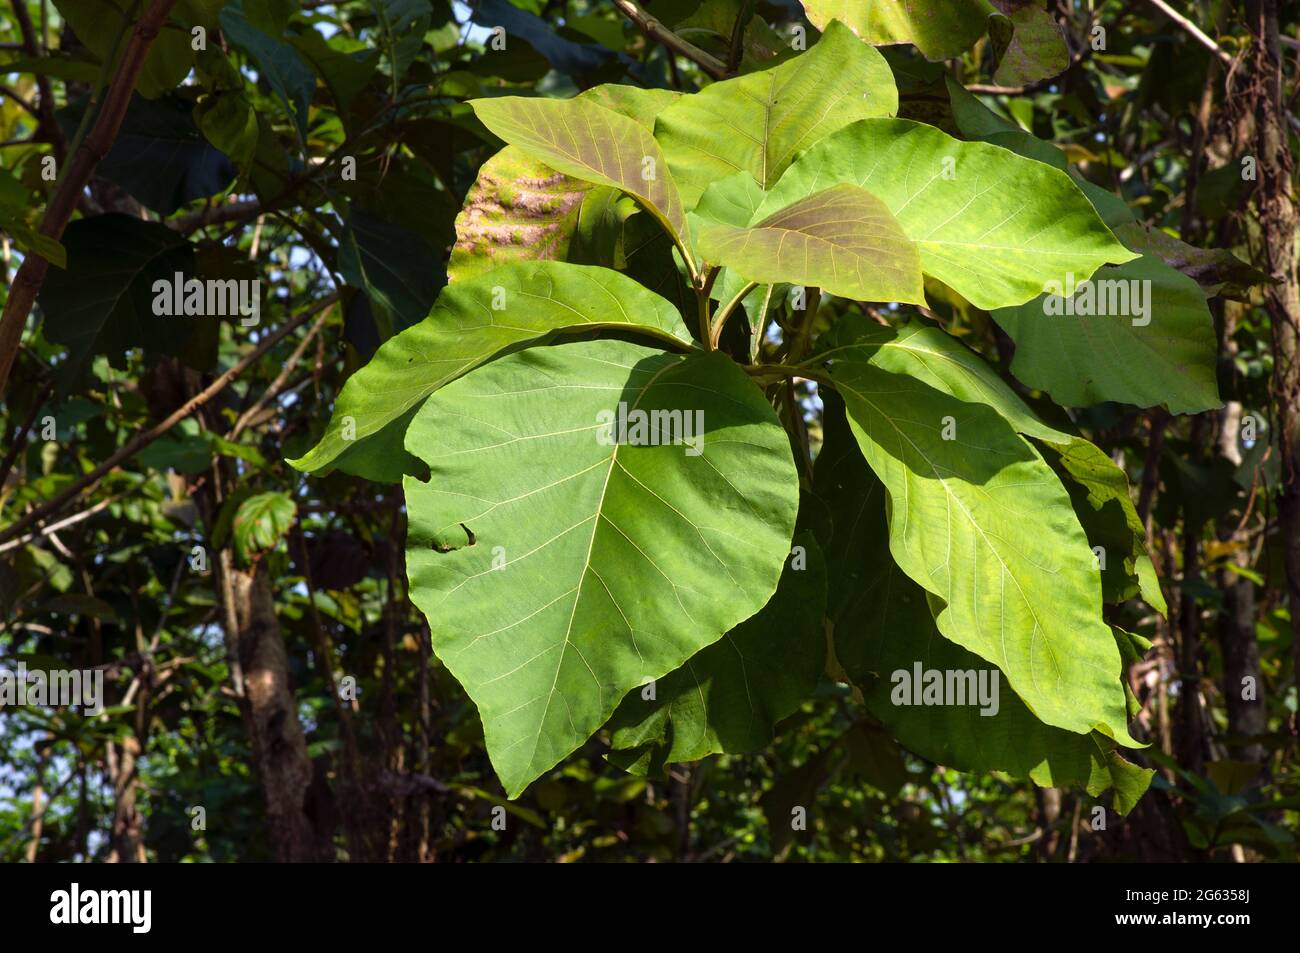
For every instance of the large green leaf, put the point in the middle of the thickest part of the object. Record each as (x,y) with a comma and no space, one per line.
(760,122)
(536,300)
(1163,353)
(729,696)
(397,268)
(1216,270)
(842,239)
(103,302)
(882,625)
(940,29)
(1100,488)
(588,141)
(993,226)
(159,156)
(963,487)
(560,570)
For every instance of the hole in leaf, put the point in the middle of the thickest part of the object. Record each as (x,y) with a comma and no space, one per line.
(453,540)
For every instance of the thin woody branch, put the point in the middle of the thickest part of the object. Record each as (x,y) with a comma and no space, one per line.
(142,440)
(1192,30)
(656,31)
(27,283)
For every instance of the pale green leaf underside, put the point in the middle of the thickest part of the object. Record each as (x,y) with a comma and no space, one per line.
(731,201)
(1084,360)
(842,240)
(983,523)
(614,563)
(882,624)
(536,299)
(640,105)
(760,122)
(993,226)
(937,359)
(940,29)
(729,696)
(583,139)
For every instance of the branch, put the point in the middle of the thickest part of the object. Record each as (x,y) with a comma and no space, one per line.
(1192,30)
(217,215)
(736,51)
(55,527)
(281,379)
(10,93)
(27,283)
(140,441)
(655,30)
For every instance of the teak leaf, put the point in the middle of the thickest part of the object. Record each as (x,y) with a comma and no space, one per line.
(1140,334)
(729,696)
(962,484)
(561,567)
(993,226)
(760,122)
(519,208)
(937,359)
(472,321)
(882,625)
(842,240)
(590,142)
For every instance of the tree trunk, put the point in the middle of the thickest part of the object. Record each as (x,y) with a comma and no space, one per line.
(1243,682)
(1278,222)
(127,842)
(271,715)
(298,805)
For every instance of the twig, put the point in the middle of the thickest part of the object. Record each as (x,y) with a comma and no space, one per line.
(736,52)
(140,441)
(656,31)
(217,215)
(10,93)
(27,283)
(55,527)
(1192,30)
(278,384)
